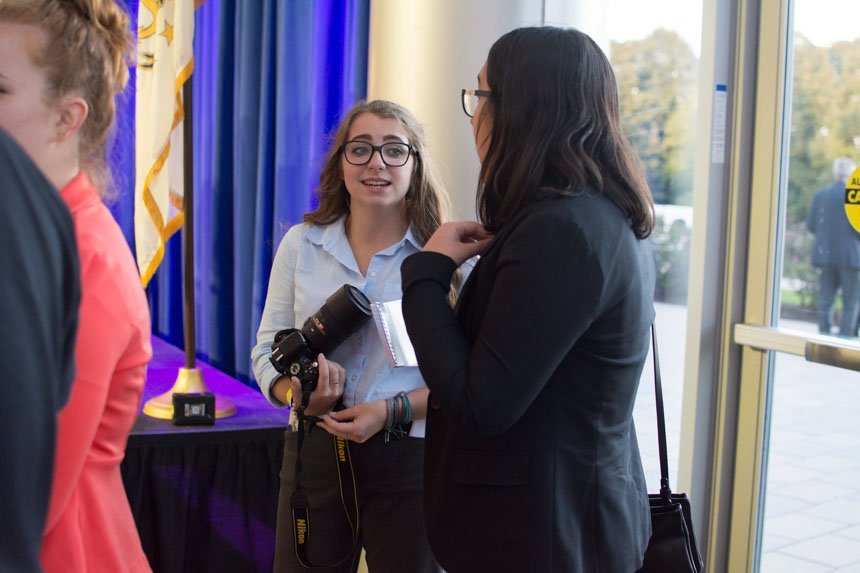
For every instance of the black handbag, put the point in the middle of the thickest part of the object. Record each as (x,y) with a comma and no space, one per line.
(672,547)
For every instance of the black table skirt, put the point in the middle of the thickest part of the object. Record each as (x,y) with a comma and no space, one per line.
(208,502)
(205,498)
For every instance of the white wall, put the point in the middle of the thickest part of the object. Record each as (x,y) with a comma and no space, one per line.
(422,53)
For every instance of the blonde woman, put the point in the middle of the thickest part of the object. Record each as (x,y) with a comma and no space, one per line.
(62,62)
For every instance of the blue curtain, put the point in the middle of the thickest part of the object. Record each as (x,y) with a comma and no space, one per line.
(271,82)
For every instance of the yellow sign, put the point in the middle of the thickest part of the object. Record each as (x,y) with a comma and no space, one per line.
(852,199)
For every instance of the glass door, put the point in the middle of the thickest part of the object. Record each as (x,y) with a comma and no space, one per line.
(796,502)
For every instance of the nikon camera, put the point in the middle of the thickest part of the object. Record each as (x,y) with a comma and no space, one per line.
(294,350)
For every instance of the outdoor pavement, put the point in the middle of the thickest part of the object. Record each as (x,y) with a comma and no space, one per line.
(812,504)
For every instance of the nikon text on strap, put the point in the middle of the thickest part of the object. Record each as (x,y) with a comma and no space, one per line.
(299,500)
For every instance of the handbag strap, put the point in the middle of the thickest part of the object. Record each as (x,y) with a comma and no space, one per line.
(665,492)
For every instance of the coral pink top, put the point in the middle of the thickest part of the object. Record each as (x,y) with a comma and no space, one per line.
(90,527)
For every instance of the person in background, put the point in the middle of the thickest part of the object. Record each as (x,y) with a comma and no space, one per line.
(836,251)
(379,201)
(62,62)
(531,459)
(39,296)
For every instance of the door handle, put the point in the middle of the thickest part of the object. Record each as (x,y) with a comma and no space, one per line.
(833,355)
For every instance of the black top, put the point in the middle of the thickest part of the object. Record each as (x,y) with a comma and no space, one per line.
(531,459)
(39,297)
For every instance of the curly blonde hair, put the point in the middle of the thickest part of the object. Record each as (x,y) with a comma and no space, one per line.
(87,53)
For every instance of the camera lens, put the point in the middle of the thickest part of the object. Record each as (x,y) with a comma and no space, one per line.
(342,314)
(358,299)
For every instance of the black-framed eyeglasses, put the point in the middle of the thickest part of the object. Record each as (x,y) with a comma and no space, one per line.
(393,153)
(470,100)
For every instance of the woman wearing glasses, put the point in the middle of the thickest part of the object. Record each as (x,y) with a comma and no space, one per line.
(531,449)
(379,201)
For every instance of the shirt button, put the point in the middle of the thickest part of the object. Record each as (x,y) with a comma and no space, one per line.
(354,378)
(435,404)
(373,274)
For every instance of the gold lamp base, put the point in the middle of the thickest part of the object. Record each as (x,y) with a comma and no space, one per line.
(188,380)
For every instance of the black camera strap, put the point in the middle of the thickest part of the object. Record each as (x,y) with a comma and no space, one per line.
(299,499)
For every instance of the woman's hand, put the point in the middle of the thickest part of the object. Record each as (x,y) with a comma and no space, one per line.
(329,387)
(356,424)
(460,240)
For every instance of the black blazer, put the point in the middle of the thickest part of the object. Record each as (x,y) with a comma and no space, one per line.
(531,460)
(40,293)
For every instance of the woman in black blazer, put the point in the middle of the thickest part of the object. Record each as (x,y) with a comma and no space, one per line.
(531,460)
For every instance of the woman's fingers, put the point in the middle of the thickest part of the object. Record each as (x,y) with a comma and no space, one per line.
(346,430)
(459,240)
(358,423)
(329,387)
(323,377)
(332,375)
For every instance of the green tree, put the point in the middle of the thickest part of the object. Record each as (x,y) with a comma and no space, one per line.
(825,124)
(657,96)
(825,118)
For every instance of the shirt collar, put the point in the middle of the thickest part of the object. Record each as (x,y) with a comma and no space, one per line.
(332,238)
(410,237)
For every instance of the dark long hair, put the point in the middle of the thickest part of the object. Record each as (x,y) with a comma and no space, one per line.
(556,128)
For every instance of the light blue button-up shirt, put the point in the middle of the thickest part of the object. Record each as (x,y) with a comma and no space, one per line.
(311,263)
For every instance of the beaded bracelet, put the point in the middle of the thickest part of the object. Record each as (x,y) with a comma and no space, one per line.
(389,416)
(406,411)
(398,413)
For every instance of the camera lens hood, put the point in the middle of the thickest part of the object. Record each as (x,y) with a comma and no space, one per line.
(343,313)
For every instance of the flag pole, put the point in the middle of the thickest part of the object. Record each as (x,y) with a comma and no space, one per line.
(190,378)
(188,225)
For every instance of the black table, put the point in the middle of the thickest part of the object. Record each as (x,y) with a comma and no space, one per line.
(204,498)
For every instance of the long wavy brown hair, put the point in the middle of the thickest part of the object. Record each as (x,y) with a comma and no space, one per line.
(426,203)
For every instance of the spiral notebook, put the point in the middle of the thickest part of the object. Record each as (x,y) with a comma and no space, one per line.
(388,317)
